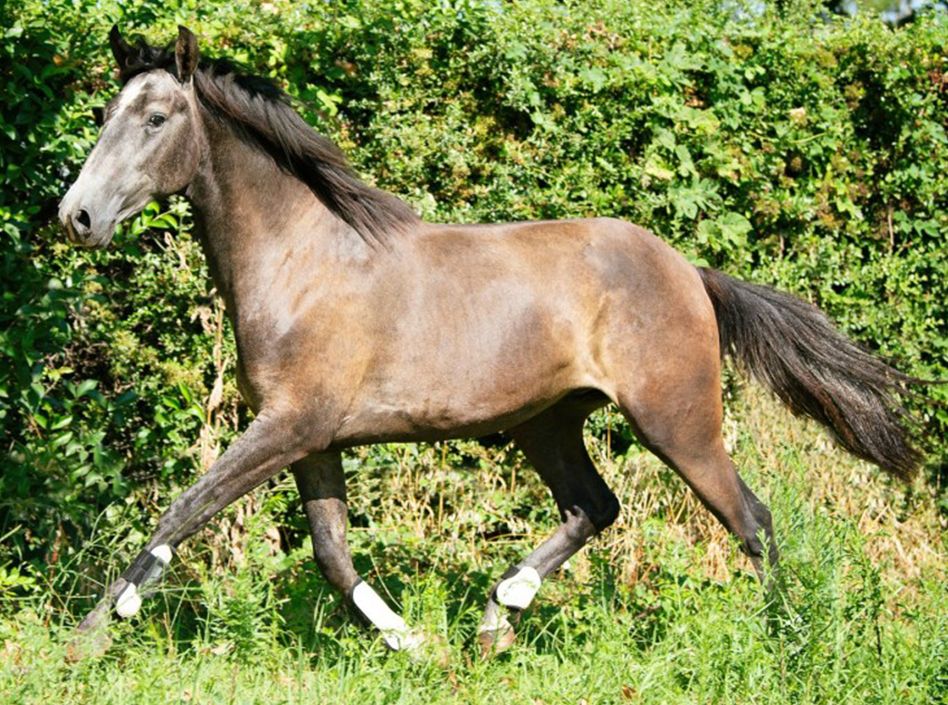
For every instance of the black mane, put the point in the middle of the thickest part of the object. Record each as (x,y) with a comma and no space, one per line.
(262,112)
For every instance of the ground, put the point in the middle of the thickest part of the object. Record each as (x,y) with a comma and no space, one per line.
(660,609)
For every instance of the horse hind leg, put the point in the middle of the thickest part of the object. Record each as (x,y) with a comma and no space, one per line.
(553,443)
(678,417)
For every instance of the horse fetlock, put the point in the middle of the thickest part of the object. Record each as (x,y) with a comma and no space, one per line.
(511,596)
(753,547)
(128,602)
(91,638)
(99,617)
(146,569)
(406,639)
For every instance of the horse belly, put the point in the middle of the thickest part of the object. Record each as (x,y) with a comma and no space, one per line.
(481,375)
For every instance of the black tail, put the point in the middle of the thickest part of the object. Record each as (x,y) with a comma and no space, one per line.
(792,347)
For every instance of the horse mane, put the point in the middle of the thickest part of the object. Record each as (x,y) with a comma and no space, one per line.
(263,113)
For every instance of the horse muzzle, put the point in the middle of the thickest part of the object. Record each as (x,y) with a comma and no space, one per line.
(82,229)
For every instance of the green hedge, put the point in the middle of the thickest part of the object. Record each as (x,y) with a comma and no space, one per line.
(782,147)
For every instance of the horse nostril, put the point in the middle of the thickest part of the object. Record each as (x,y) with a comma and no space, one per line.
(82,217)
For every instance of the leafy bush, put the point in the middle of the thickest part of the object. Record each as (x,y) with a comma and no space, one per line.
(782,147)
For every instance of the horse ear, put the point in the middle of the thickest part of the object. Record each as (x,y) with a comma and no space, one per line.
(121,49)
(186,54)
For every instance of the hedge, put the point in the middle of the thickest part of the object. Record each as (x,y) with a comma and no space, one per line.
(784,147)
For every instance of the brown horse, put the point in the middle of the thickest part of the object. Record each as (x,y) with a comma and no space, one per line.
(357,323)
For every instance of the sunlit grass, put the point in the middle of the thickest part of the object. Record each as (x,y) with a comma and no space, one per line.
(661,609)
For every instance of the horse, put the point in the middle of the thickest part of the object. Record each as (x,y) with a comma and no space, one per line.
(357,322)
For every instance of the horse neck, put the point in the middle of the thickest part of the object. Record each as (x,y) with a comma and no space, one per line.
(254,219)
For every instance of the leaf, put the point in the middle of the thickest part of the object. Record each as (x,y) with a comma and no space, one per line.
(727,231)
(62,422)
(84,387)
(654,167)
(686,166)
(594,77)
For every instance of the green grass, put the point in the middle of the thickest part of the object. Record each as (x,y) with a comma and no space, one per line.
(662,609)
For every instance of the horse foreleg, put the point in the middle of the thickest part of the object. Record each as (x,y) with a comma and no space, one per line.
(322,486)
(269,444)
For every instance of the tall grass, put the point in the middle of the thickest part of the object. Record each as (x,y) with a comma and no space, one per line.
(661,609)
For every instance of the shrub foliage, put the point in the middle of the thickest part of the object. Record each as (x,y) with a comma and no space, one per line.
(780,146)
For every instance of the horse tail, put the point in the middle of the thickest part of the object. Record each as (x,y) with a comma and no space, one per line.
(793,348)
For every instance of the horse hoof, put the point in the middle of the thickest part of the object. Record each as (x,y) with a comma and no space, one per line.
(496,641)
(88,644)
(421,647)
(433,649)
(91,638)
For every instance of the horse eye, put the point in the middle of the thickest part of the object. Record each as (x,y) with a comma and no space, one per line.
(156,120)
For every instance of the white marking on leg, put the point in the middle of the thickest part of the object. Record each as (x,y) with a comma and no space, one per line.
(128,602)
(518,590)
(162,552)
(393,628)
(163,555)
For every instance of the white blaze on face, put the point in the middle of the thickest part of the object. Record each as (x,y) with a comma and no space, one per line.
(159,86)
(133,89)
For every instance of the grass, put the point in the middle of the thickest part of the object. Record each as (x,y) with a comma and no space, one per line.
(661,609)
